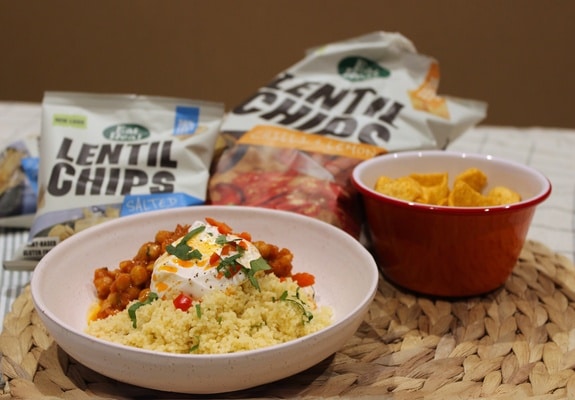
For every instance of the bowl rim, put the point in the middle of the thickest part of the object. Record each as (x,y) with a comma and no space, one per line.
(41,269)
(527,203)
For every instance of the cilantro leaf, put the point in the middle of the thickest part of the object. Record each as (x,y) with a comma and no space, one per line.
(227,265)
(182,250)
(221,239)
(256,265)
(259,265)
(195,346)
(134,307)
(298,302)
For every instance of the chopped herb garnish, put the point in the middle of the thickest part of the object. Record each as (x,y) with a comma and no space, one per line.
(227,265)
(307,315)
(259,265)
(256,265)
(196,346)
(132,310)
(182,250)
(223,239)
(198,310)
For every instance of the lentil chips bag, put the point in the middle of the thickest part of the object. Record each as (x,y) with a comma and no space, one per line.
(105,156)
(293,144)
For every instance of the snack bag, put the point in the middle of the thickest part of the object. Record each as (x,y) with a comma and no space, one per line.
(275,167)
(18,183)
(108,156)
(293,144)
(19,134)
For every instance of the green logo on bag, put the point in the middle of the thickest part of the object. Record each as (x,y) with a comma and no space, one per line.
(126,132)
(360,69)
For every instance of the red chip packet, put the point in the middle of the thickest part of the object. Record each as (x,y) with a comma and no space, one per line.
(289,170)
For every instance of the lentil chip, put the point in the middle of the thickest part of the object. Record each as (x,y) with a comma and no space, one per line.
(432,188)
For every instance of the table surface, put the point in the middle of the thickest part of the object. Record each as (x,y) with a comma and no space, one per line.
(549,150)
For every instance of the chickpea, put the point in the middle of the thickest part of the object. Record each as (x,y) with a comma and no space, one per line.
(154,251)
(113,300)
(123,282)
(279,259)
(162,236)
(144,251)
(126,265)
(101,272)
(132,293)
(102,285)
(139,275)
(264,249)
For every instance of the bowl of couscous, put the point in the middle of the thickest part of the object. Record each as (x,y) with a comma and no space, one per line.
(204,299)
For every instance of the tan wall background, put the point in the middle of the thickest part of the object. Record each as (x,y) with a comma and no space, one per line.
(517,55)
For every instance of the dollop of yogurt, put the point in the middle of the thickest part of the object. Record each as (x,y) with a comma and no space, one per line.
(202,261)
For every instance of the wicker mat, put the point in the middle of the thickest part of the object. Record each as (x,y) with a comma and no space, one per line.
(514,343)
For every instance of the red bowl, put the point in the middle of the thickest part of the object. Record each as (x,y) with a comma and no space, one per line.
(441,250)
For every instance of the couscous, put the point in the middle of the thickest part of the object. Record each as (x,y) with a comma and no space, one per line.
(196,300)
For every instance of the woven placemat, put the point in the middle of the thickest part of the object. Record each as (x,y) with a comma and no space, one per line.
(514,343)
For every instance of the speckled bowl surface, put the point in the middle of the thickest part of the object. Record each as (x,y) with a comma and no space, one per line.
(62,290)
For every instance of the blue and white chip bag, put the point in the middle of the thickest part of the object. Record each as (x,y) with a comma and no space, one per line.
(18,183)
(105,156)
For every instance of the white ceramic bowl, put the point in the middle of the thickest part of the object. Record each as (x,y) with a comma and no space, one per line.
(62,290)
